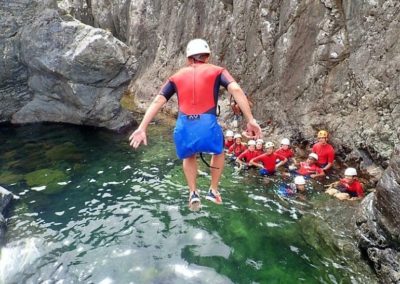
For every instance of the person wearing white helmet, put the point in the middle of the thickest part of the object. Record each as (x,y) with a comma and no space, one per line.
(291,189)
(267,161)
(309,168)
(286,151)
(197,130)
(260,146)
(244,158)
(237,148)
(348,187)
(229,139)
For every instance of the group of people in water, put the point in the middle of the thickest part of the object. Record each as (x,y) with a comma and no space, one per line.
(264,157)
(197,131)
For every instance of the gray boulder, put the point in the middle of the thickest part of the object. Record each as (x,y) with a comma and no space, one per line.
(58,69)
(5,199)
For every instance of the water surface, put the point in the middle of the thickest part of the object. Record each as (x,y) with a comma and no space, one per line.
(92,210)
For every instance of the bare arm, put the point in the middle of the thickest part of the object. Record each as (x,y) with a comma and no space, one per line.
(139,135)
(316,175)
(281,163)
(328,166)
(254,163)
(243,103)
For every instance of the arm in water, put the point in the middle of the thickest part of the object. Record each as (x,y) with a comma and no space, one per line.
(139,135)
(241,100)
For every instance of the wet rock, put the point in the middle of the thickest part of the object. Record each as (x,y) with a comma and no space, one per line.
(48,181)
(65,151)
(306,65)
(5,199)
(8,177)
(378,224)
(3,228)
(60,70)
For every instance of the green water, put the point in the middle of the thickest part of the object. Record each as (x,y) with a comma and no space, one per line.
(92,210)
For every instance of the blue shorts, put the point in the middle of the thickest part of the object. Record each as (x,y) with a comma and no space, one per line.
(265,172)
(198,134)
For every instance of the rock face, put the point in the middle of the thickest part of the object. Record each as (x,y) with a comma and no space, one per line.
(378,224)
(57,69)
(308,65)
(5,199)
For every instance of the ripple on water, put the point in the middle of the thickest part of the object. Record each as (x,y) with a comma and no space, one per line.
(119,218)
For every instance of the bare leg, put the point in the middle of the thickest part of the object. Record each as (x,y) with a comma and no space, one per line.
(217,161)
(190,170)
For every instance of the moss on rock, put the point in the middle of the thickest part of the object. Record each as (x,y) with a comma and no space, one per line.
(66,151)
(47,177)
(10,177)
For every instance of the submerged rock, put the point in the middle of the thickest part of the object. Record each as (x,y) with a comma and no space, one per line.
(47,180)
(65,151)
(9,177)
(378,224)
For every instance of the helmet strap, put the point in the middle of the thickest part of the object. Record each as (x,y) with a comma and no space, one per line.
(199,58)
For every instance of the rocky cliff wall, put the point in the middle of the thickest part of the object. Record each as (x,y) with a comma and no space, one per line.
(307,64)
(378,224)
(55,68)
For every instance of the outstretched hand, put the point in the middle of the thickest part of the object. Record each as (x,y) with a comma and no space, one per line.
(137,137)
(254,128)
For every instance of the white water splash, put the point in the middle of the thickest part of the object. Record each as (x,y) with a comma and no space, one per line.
(39,188)
(186,271)
(107,280)
(16,258)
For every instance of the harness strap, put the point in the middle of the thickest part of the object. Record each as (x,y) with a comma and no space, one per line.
(206,163)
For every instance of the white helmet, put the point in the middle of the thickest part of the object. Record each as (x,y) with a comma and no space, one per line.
(314,156)
(197,46)
(229,133)
(269,144)
(251,143)
(285,141)
(237,135)
(350,172)
(259,141)
(299,180)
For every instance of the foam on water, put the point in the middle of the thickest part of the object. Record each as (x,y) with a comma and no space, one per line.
(16,257)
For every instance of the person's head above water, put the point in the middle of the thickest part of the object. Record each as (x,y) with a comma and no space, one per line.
(300,182)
